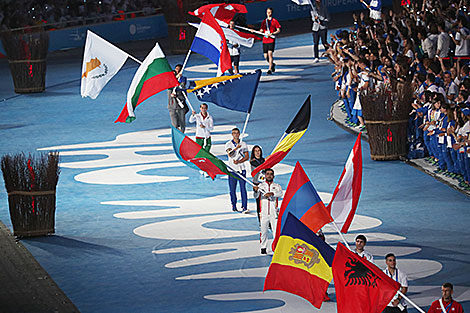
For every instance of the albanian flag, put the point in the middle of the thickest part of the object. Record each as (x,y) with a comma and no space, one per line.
(361,287)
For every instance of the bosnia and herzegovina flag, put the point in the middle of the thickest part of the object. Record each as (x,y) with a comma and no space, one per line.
(293,133)
(192,154)
(301,264)
(301,200)
(235,92)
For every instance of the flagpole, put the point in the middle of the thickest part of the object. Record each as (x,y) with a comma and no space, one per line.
(187,100)
(135,59)
(244,126)
(341,235)
(185,61)
(253,31)
(411,302)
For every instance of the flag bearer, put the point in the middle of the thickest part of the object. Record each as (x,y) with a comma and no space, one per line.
(269,193)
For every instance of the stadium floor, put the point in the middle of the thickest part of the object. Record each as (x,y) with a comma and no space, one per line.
(137,231)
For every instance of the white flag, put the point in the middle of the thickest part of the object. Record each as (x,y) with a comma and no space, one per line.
(101,61)
(234,36)
(303,2)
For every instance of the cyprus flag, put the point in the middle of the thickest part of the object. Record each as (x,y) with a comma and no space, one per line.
(101,61)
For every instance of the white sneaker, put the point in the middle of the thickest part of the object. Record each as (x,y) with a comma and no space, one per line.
(316,60)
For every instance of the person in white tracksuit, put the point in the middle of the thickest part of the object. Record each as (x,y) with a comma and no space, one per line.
(269,193)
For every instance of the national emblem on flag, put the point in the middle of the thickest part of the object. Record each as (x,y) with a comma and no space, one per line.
(101,61)
(301,263)
(361,287)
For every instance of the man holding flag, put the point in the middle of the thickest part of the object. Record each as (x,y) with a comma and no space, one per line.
(269,193)
(398,304)
(237,152)
(301,264)
(177,106)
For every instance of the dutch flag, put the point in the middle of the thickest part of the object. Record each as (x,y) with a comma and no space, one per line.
(210,42)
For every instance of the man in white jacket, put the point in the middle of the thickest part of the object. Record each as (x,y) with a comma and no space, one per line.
(269,193)
(204,125)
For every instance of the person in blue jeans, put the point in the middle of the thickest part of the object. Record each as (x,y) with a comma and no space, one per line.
(237,152)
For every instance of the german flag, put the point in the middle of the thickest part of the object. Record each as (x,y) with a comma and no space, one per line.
(293,133)
(301,263)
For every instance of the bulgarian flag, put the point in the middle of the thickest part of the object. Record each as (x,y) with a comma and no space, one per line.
(192,154)
(153,76)
(293,133)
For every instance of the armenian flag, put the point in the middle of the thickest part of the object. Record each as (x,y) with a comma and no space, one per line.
(301,264)
(192,154)
(293,133)
(302,200)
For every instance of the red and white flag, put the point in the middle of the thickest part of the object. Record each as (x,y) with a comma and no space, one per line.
(223,12)
(343,204)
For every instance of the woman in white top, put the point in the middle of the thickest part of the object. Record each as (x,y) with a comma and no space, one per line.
(204,125)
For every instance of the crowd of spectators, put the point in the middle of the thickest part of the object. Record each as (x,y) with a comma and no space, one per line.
(56,14)
(425,46)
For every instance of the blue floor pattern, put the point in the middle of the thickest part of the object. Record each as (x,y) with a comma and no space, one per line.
(136,231)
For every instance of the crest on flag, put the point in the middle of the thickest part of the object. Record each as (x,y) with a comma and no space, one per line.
(302,254)
(101,61)
(358,274)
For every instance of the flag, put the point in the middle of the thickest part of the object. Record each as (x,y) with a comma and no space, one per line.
(222,12)
(301,200)
(343,204)
(361,287)
(236,36)
(236,92)
(242,38)
(210,42)
(152,76)
(293,133)
(303,2)
(301,264)
(101,61)
(192,154)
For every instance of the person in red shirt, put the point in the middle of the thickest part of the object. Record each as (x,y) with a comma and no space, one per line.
(270,27)
(446,304)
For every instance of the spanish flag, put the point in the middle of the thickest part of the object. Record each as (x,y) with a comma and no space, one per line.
(301,263)
(293,133)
